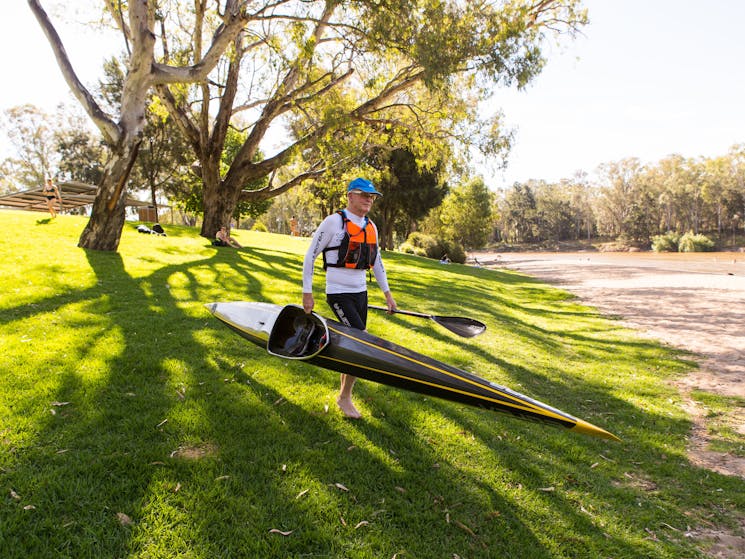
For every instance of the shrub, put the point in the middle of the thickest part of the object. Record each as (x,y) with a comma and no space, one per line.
(428,246)
(421,245)
(259,226)
(695,243)
(408,248)
(455,251)
(666,243)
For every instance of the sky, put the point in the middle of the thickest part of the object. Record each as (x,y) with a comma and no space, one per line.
(645,79)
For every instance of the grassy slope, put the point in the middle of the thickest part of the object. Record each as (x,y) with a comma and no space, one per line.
(120,395)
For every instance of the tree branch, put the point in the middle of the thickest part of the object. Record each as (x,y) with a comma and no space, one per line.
(163,73)
(269,192)
(110,130)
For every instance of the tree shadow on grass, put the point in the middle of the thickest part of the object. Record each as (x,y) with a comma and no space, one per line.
(206,444)
(156,455)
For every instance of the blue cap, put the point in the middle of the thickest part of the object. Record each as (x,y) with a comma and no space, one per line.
(362,185)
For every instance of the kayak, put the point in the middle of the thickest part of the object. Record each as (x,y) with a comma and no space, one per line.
(290,333)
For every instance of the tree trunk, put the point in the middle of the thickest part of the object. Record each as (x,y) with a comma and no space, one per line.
(218,200)
(104,229)
(153,195)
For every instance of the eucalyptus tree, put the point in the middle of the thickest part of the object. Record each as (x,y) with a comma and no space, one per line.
(466,214)
(554,212)
(163,159)
(736,155)
(582,200)
(682,186)
(136,21)
(619,187)
(312,79)
(518,214)
(717,180)
(31,133)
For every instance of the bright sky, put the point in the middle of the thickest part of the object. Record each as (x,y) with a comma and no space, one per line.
(647,78)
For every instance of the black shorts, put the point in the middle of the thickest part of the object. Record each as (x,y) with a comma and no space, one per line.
(349,308)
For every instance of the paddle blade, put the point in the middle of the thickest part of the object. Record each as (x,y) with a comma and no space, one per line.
(464,327)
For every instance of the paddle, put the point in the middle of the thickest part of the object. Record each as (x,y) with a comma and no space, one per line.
(464,327)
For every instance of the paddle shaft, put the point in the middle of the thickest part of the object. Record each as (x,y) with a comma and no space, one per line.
(399,311)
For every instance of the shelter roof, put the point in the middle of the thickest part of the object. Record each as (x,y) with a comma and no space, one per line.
(74,195)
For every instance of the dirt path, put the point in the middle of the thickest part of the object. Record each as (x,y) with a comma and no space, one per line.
(691,301)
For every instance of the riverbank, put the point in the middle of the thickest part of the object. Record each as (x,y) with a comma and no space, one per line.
(693,301)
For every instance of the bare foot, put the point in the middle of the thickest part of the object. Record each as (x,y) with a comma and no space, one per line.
(347,408)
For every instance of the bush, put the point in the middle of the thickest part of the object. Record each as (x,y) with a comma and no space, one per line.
(666,243)
(695,243)
(259,226)
(428,246)
(455,251)
(421,245)
(408,248)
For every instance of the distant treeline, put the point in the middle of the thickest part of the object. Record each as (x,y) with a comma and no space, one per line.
(630,202)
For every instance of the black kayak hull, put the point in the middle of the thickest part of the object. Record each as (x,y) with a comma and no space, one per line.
(288,332)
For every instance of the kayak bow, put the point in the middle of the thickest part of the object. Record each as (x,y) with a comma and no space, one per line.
(290,333)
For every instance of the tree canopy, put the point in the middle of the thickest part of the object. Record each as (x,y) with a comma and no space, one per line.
(413,69)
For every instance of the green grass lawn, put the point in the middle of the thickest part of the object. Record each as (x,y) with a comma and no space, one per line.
(134,424)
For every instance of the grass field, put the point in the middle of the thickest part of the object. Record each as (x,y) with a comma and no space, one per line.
(133,424)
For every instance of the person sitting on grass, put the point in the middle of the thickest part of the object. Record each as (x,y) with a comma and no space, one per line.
(223,239)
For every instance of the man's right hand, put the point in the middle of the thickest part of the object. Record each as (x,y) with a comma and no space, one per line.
(308,302)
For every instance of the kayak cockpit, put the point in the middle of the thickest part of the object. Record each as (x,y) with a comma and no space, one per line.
(297,334)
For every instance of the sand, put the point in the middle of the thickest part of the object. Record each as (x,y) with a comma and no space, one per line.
(693,301)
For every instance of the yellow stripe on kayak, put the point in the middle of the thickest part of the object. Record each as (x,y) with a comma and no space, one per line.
(580,426)
(516,403)
(442,387)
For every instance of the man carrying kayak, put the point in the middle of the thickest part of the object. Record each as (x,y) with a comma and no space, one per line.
(348,241)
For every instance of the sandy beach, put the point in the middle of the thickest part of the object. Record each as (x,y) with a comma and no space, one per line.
(693,301)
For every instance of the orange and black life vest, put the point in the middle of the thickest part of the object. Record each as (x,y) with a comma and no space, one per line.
(359,247)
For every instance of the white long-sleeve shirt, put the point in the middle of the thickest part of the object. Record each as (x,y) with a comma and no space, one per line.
(339,280)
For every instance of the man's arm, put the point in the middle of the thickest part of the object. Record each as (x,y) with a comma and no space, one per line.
(320,240)
(382,278)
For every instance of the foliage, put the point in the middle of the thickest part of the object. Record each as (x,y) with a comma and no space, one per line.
(453,250)
(631,202)
(421,244)
(517,211)
(538,211)
(259,226)
(347,78)
(82,156)
(617,208)
(666,243)
(690,242)
(135,425)
(61,146)
(466,214)
(409,193)
(30,132)
(428,246)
